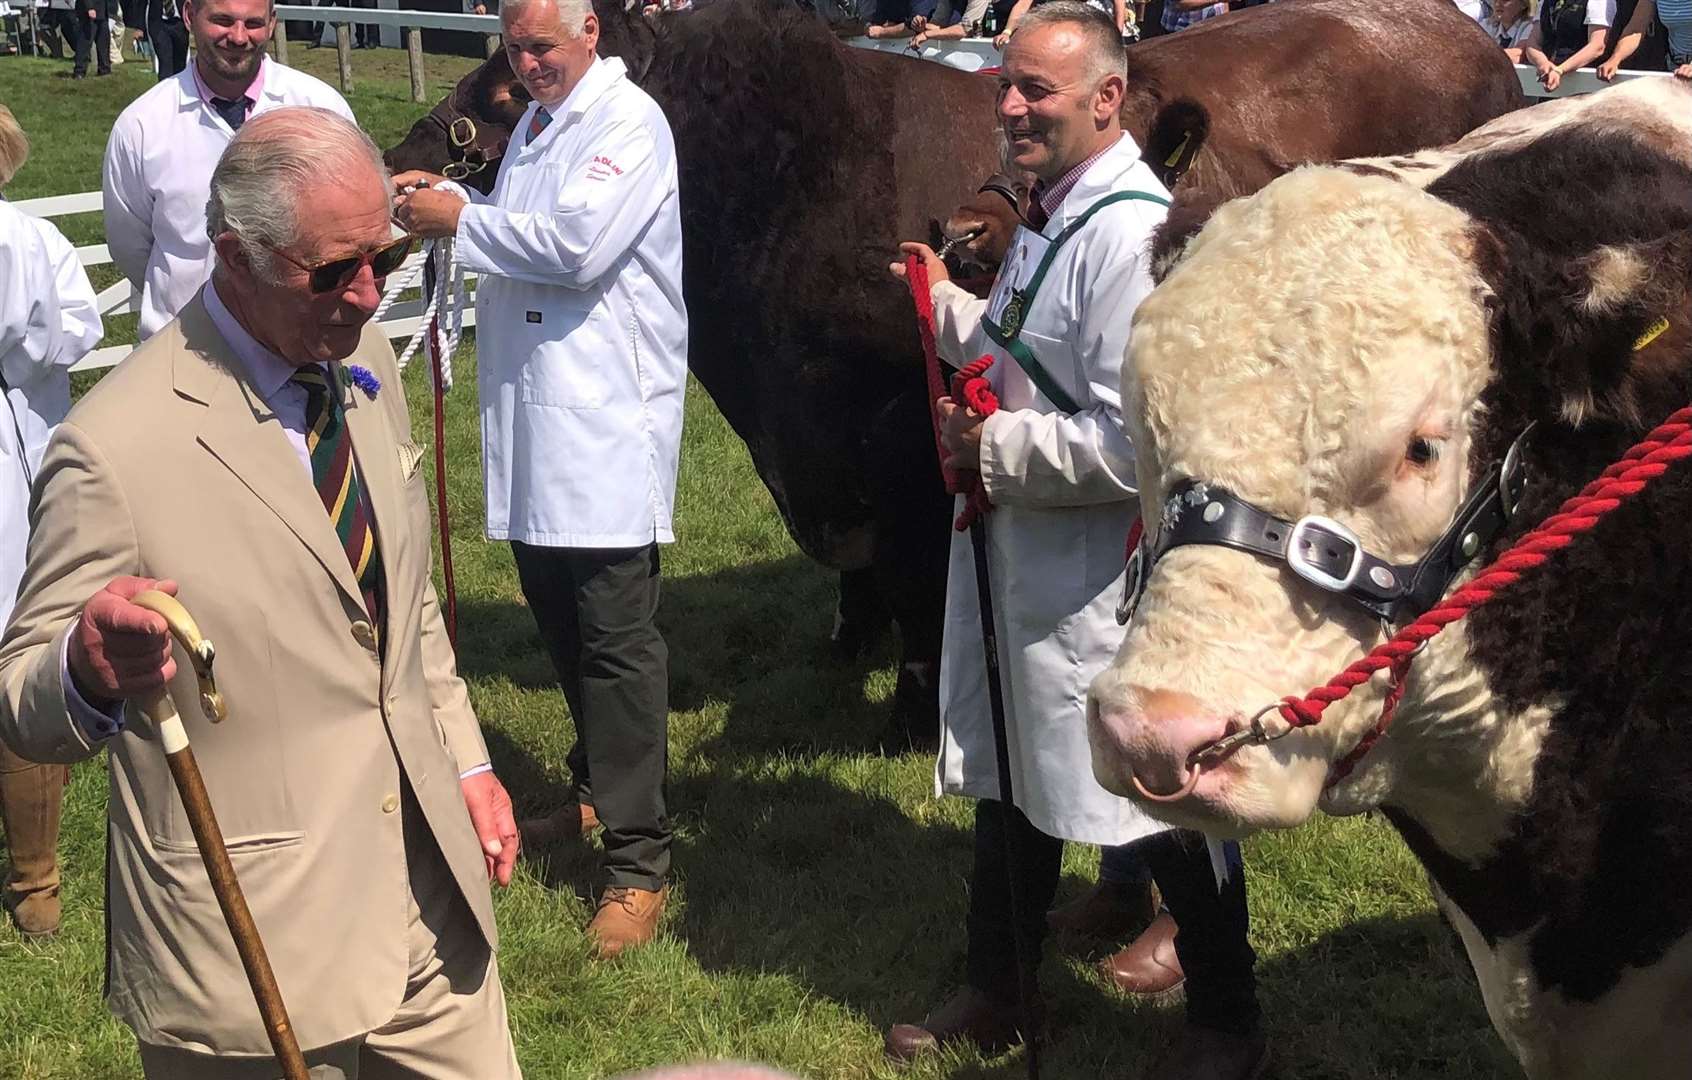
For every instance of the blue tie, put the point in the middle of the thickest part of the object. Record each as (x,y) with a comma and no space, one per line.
(234,113)
(538,123)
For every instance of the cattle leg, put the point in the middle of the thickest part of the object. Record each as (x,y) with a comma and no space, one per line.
(913,539)
(861,615)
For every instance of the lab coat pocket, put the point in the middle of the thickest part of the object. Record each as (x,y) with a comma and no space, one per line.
(565,360)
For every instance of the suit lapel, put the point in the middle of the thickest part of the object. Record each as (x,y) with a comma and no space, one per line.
(242,432)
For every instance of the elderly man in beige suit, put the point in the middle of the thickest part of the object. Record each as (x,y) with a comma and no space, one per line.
(255,457)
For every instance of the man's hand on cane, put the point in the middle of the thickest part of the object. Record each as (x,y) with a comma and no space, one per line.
(495,825)
(118,650)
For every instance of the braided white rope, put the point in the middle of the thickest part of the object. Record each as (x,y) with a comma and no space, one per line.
(446,301)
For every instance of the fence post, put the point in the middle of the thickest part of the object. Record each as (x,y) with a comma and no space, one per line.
(280,40)
(490,44)
(343,55)
(414,60)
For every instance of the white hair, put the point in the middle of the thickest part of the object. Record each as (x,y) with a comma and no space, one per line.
(269,167)
(572,14)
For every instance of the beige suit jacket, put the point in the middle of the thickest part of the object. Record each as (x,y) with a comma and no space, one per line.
(173,467)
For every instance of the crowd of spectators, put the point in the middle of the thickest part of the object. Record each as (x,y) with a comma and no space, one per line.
(1553,36)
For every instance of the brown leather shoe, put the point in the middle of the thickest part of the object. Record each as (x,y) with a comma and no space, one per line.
(626,917)
(572,821)
(1108,911)
(1202,1053)
(968,1014)
(1149,965)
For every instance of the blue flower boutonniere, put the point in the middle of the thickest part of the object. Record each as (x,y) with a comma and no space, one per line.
(362,377)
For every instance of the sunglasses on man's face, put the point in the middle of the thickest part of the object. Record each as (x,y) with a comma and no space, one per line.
(337,274)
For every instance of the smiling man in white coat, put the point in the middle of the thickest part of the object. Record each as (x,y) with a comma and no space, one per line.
(1059,469)
(582,354)
(164,145)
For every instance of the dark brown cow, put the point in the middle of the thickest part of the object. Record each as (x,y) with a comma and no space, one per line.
(803,162)
(1224,107)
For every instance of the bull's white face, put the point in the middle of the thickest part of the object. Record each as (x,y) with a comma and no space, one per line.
(1321,349)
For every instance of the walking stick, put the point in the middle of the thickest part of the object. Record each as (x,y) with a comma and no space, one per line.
(974,517)
(192,787)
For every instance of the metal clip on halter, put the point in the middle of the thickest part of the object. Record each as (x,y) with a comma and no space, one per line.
(1253,734)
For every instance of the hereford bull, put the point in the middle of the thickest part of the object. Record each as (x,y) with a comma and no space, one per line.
(804,162)
(1416,375)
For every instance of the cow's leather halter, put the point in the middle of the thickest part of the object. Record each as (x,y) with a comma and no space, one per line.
(468,156)
(1327,554)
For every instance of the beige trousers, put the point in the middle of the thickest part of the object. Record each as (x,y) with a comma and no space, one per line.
(451,1024)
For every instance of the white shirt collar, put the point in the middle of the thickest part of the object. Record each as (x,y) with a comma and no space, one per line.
(267,371)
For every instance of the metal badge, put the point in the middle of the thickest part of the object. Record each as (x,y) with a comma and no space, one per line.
(1011,323)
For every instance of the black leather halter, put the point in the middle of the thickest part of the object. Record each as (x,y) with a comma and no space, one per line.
(1327,554)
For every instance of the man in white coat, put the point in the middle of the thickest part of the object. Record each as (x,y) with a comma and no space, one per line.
(582,355)
(48,321)
(1059,470)
(163,147)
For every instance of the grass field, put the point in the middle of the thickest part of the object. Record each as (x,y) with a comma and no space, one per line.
(819,888)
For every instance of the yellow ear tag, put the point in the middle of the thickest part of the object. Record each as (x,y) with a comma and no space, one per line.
(1652,333)
(1169,162)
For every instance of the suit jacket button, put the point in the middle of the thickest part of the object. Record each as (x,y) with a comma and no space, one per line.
(390,804)
(364,634)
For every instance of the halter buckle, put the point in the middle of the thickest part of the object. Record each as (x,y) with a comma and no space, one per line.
(1303,534)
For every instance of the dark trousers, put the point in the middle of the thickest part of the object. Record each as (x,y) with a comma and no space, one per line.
(366,33)
(1221,988)
(95,32)
(170,45)
(595,610)
(73,28)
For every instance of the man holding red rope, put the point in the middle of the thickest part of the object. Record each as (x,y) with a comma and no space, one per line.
(1058,469)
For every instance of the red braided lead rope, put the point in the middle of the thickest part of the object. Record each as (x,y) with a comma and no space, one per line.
(916,276)
(969,387)
(1650,458)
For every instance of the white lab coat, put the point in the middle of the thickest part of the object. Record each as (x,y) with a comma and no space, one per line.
(1063,497)
(581,333)
(159,162)
(48,321)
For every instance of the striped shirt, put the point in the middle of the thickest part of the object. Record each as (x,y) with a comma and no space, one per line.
(1676,16)
(1050,196)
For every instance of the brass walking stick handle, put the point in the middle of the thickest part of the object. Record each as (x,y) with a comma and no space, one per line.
(173,735)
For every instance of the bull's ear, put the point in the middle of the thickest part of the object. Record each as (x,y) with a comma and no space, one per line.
(1603,337)
(1187,215)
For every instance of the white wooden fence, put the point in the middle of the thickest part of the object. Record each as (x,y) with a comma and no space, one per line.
(968,54)
(402,320)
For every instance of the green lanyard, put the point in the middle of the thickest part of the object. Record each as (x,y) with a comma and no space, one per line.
(1008,335)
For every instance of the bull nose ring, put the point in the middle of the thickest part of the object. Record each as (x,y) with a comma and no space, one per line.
(1193,770)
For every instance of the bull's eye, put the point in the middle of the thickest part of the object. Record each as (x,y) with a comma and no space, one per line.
(1422,452)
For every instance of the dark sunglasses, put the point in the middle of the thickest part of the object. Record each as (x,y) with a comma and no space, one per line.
(338,273)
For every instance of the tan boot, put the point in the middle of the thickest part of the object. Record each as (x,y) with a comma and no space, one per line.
(626,916)
(31,797)
(573,821)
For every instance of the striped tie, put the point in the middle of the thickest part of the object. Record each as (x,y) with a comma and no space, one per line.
(538,122)
(335,472)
